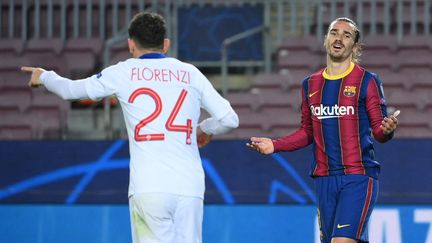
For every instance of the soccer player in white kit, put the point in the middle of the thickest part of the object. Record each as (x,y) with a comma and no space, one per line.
(161,99)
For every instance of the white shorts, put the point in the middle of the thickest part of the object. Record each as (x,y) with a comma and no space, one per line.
(165,218)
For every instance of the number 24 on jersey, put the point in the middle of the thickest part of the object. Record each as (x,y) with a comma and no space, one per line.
(170,126)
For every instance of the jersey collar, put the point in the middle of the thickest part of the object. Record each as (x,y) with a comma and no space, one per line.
(153,55)
(339,76)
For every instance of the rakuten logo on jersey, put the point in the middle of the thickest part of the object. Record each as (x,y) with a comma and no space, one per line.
(325,112)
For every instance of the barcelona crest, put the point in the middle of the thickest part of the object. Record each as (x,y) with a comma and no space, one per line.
(349,91)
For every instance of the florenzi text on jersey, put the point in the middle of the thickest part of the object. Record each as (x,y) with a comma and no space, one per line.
(159,75)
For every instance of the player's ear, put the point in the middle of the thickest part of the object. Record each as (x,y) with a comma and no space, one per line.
(166,45)
(356,46)
(131,46)
(356,50)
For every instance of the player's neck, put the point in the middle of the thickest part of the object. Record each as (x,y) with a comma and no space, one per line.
(139,53)
(337,68)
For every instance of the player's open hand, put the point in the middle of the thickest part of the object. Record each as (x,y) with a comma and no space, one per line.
(389,124)
(36,72)
(262,145)
(203,138)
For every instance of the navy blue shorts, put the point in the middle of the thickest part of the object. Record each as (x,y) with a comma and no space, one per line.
(345,204)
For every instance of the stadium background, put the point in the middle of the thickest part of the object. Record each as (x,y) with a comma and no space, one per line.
(63,165)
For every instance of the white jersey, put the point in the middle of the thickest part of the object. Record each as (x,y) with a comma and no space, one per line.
(161,99)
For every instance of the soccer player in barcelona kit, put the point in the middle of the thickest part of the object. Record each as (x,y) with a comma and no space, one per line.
(161,99)
(343,107)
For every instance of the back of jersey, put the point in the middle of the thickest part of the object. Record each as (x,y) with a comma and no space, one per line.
(161,100)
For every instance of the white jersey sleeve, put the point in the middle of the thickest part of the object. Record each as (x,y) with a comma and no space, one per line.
(106,82)
(222,116)
(63,87)
(213,126)
(95,87)
(212,101)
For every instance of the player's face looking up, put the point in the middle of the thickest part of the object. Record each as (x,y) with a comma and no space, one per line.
(340,41)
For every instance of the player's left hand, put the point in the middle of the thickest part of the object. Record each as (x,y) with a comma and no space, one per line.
(203,138)
(36,72)
(261,145)
(389,124)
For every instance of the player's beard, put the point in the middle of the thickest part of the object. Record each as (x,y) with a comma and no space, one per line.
(340,56)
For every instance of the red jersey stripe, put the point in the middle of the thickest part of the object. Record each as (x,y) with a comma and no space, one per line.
(365,208)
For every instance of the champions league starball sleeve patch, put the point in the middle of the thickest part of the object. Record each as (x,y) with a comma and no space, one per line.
(382,100)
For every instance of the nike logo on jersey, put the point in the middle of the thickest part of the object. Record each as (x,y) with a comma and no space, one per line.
(312,94)
(342,225)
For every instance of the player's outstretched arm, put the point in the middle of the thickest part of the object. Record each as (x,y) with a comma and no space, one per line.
(36,72)
(65,88)
(262,145)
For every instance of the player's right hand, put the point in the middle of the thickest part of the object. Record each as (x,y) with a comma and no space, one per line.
(262,145)
(202,138)
(36,72)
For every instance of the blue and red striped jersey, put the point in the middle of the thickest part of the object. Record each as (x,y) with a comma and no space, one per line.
(340,115)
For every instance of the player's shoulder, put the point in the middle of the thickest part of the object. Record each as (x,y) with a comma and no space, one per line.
(367,73)
(115,70)
(122,64)
(318,75)
(182,63)
(372,75)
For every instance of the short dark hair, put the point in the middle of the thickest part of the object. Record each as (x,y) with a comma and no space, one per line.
(348,20)
(148,30)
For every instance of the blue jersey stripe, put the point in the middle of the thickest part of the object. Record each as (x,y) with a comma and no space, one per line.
(331,126)
(305,85)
